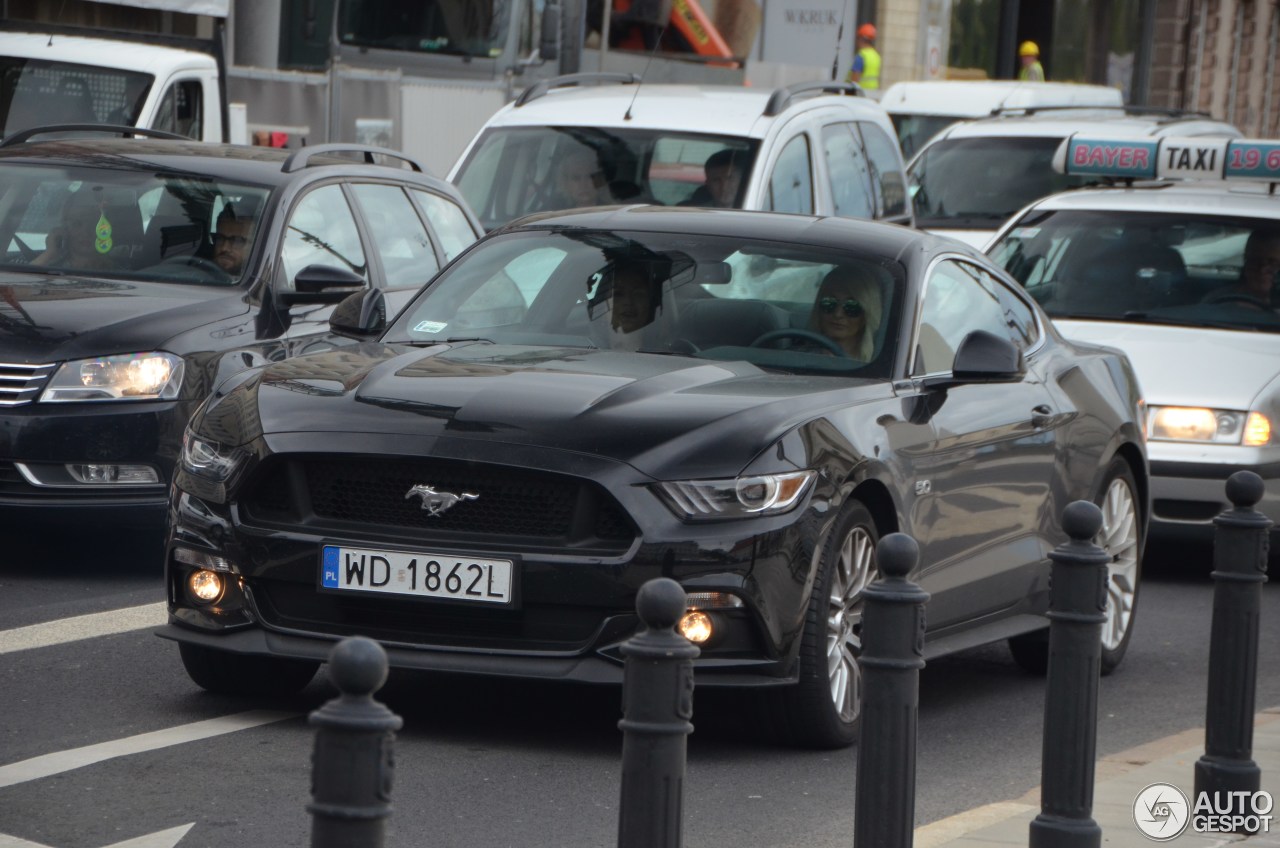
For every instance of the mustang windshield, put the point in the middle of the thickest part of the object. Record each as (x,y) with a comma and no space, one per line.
(126,223)
(790,307)
(516,171)
(982,182)
(1139,267)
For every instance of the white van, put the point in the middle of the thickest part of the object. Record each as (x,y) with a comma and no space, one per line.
(920,110)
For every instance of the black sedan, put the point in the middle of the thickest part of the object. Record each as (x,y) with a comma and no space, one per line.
(744,402)
(136,274)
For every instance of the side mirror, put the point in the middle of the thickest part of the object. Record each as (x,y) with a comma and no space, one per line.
(322,284)
(360,316)
(549,40)
(983,357)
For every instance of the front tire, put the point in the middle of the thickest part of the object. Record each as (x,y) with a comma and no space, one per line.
(225,673)
(824,709)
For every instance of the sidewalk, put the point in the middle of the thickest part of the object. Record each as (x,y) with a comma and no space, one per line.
(1119,778)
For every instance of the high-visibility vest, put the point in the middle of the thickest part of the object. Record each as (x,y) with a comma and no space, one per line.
(1032,73)
(870,68)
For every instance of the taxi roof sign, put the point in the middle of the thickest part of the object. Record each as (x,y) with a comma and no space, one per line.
(1170,158)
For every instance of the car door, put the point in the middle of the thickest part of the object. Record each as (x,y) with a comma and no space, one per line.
(988,476)
(790,184)
(404,253)
(848,173)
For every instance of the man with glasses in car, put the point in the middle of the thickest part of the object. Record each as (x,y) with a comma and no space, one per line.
(232,240)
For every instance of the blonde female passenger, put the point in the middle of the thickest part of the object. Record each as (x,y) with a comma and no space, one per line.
(848,310)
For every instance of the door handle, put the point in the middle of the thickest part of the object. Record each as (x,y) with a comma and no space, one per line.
(1041,415)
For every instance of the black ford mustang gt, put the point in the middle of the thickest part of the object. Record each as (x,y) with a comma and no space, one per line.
(744,402)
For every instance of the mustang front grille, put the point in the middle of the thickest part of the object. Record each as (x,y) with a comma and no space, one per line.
(21,384)
(387,497)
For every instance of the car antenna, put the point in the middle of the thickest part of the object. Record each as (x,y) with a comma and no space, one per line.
(657,41)
(835,60)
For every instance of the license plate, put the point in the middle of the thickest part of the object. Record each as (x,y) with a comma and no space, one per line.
(423,575)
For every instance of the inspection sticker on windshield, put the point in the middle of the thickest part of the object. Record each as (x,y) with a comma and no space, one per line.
(426,575)
(1025,233)
(430,326)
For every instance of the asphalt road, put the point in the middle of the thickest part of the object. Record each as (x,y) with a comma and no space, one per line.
(492,763)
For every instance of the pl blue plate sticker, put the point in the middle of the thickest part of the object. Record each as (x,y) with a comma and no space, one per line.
(1253,160)
(1128,158)
(330,567)
(430,326)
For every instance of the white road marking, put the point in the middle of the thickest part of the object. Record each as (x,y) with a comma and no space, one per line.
(161,839)
(51,764)
(81,627)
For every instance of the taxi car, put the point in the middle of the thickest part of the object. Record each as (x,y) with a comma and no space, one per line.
(973,176)
(586,400)
(1175,263)
(137,273)
(812,148)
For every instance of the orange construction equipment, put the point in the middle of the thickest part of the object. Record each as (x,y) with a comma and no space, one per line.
(693,23)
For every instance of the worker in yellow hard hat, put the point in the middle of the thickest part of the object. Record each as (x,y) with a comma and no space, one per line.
(1029,54)
(866,61)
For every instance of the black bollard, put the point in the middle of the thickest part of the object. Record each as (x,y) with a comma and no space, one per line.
(657,703)
(1240,549)
(351,767)
(884,807)
(1077,610)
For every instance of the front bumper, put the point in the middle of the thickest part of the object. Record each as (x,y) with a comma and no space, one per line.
(1188,486)
(38,440)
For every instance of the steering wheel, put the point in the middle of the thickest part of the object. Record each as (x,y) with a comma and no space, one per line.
(807,335)
(205,266)
(1236,297)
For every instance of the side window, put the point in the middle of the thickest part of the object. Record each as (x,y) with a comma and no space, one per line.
(848,172)
(448,221)
(182,109)
(887,178)
(322,231)
(398,235)
(790,186)
(1019,320)
(956,302)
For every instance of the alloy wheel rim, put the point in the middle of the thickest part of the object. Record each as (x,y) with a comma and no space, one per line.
(853,569)
(1119,538)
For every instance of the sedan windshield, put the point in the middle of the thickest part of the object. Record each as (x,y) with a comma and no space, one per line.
(1146,267)
(126,223)
(517,171)
(786,307)
(980,183)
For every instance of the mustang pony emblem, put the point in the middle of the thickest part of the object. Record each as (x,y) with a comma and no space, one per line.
(437,502)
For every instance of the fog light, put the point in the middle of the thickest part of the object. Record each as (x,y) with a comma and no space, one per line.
(205,586)
(696,626)
(94,474)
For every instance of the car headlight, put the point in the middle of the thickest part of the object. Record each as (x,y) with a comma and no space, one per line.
(1198,424)
(759,494)
(129,376)
(208,460)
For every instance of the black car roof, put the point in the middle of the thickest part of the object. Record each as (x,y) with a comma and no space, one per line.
(238,163)
(847,233)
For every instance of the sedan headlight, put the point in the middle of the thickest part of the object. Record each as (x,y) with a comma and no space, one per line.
(760,494)
(1217,426)
(208,460)
(129,376)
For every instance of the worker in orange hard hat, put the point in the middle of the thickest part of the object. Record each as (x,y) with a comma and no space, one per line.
(866,61)
(1029,55)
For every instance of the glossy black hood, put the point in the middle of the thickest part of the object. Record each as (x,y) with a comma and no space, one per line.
(45,318)
(651,411)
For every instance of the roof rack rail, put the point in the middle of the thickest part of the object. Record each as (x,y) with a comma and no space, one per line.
(1171,113)
(541,87)
(115,129)
(782,97)
(302,157)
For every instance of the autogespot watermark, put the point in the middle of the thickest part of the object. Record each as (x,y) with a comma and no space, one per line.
(1162,812)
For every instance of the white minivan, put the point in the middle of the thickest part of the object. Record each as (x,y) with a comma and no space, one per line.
(921,109)
(812,148)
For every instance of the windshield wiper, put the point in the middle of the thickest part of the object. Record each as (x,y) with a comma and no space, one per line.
(454,339)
